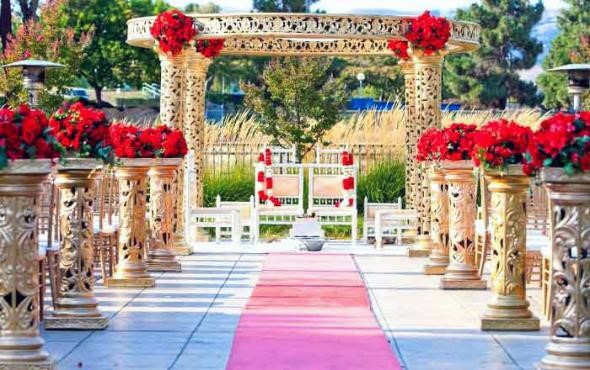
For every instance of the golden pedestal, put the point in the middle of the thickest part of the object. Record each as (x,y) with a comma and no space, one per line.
(439,224)
(21,346)
(75,305)
(508,309)
(161,255)
(131,270)
(461,272)
(569,196)
(421,247)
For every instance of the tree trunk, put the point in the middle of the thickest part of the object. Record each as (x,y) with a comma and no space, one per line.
(98,92)
(28,9)
(5,22)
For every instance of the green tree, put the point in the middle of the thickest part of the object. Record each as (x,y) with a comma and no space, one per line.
(297,101)
(568,47)
(383,77)
(109,61)
(45,38)
(208,8)
(489,75)
(283,6)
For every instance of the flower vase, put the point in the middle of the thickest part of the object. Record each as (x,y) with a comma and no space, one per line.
(509,308)
(161,256)
(439,223)
(21,346)
(131,270)
(569,199)
(76,306)
(461,272)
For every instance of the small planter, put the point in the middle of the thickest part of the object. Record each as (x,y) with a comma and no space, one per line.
(21,346)
(309,232)
(76,306)
(131,270)
(569,196)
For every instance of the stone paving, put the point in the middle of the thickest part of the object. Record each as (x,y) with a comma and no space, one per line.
(189,319)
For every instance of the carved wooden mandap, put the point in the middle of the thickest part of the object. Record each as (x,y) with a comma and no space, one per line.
(258,34)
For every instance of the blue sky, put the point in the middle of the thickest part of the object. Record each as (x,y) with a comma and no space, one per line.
(363,6)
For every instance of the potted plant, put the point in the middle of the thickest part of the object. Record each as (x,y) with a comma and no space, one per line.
(560,150)
(26,150)
(500,149)
(82,138)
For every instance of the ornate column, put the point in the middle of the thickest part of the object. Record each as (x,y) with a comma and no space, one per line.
(439,223)
(161,255)
(173,75)
(131,270)
(428,72)
(75,306)
(21,346)
(461,272)
(508,309)
(569,197)
(410,125)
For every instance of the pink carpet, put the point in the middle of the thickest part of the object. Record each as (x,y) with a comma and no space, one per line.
(309,311)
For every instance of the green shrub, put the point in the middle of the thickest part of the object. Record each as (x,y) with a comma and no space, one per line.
(236,186)
(383,183)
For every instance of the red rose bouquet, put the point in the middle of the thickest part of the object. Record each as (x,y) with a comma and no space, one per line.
(152,142)
(430,145)
(173,31)
(210,48)
(25,134)
(399,48)
(457,142)
(501,143)
(561,141)
(429,33)
(82,132)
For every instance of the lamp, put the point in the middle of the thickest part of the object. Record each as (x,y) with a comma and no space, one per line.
(578,81)
(33,76)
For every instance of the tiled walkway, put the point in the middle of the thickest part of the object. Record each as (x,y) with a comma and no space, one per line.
(189,319)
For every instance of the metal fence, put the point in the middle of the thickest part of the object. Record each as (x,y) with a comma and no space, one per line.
(222,158)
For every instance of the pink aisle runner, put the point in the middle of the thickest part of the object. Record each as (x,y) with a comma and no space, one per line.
(310,311)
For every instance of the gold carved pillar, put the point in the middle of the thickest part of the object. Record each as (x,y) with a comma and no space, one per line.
(428,73)
(410,126)
(131,270)
(173,78)
(569,344)
(21,346)
(161,256)
(439,223)
(461,272)
(75,306)
(508,309)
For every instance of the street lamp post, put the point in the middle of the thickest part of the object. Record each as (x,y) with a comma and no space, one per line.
(33,76)
(578,76)
(361,77)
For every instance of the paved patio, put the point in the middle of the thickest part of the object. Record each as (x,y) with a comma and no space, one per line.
(189,319)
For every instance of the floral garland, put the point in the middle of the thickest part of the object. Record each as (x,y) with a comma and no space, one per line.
(264,181)
(562,141)
(501,143)
(348,185)
(153,142)
(173,31)
(82,132)
(426,32)
(25,134)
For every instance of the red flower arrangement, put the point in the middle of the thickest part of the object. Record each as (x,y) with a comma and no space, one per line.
(430,145)
(399,48)
(457,142)
(425,32)
(25,134)
(429,33)
(82,132)
(562,141)
(153,142)
(501,143)
(173,30)
(210,48)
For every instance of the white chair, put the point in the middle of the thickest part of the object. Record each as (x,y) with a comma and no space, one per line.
(370,210)
(214,218)
(326,197)
(329,155)
(283,155)
(288,189)
(394,222)
(246,218)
